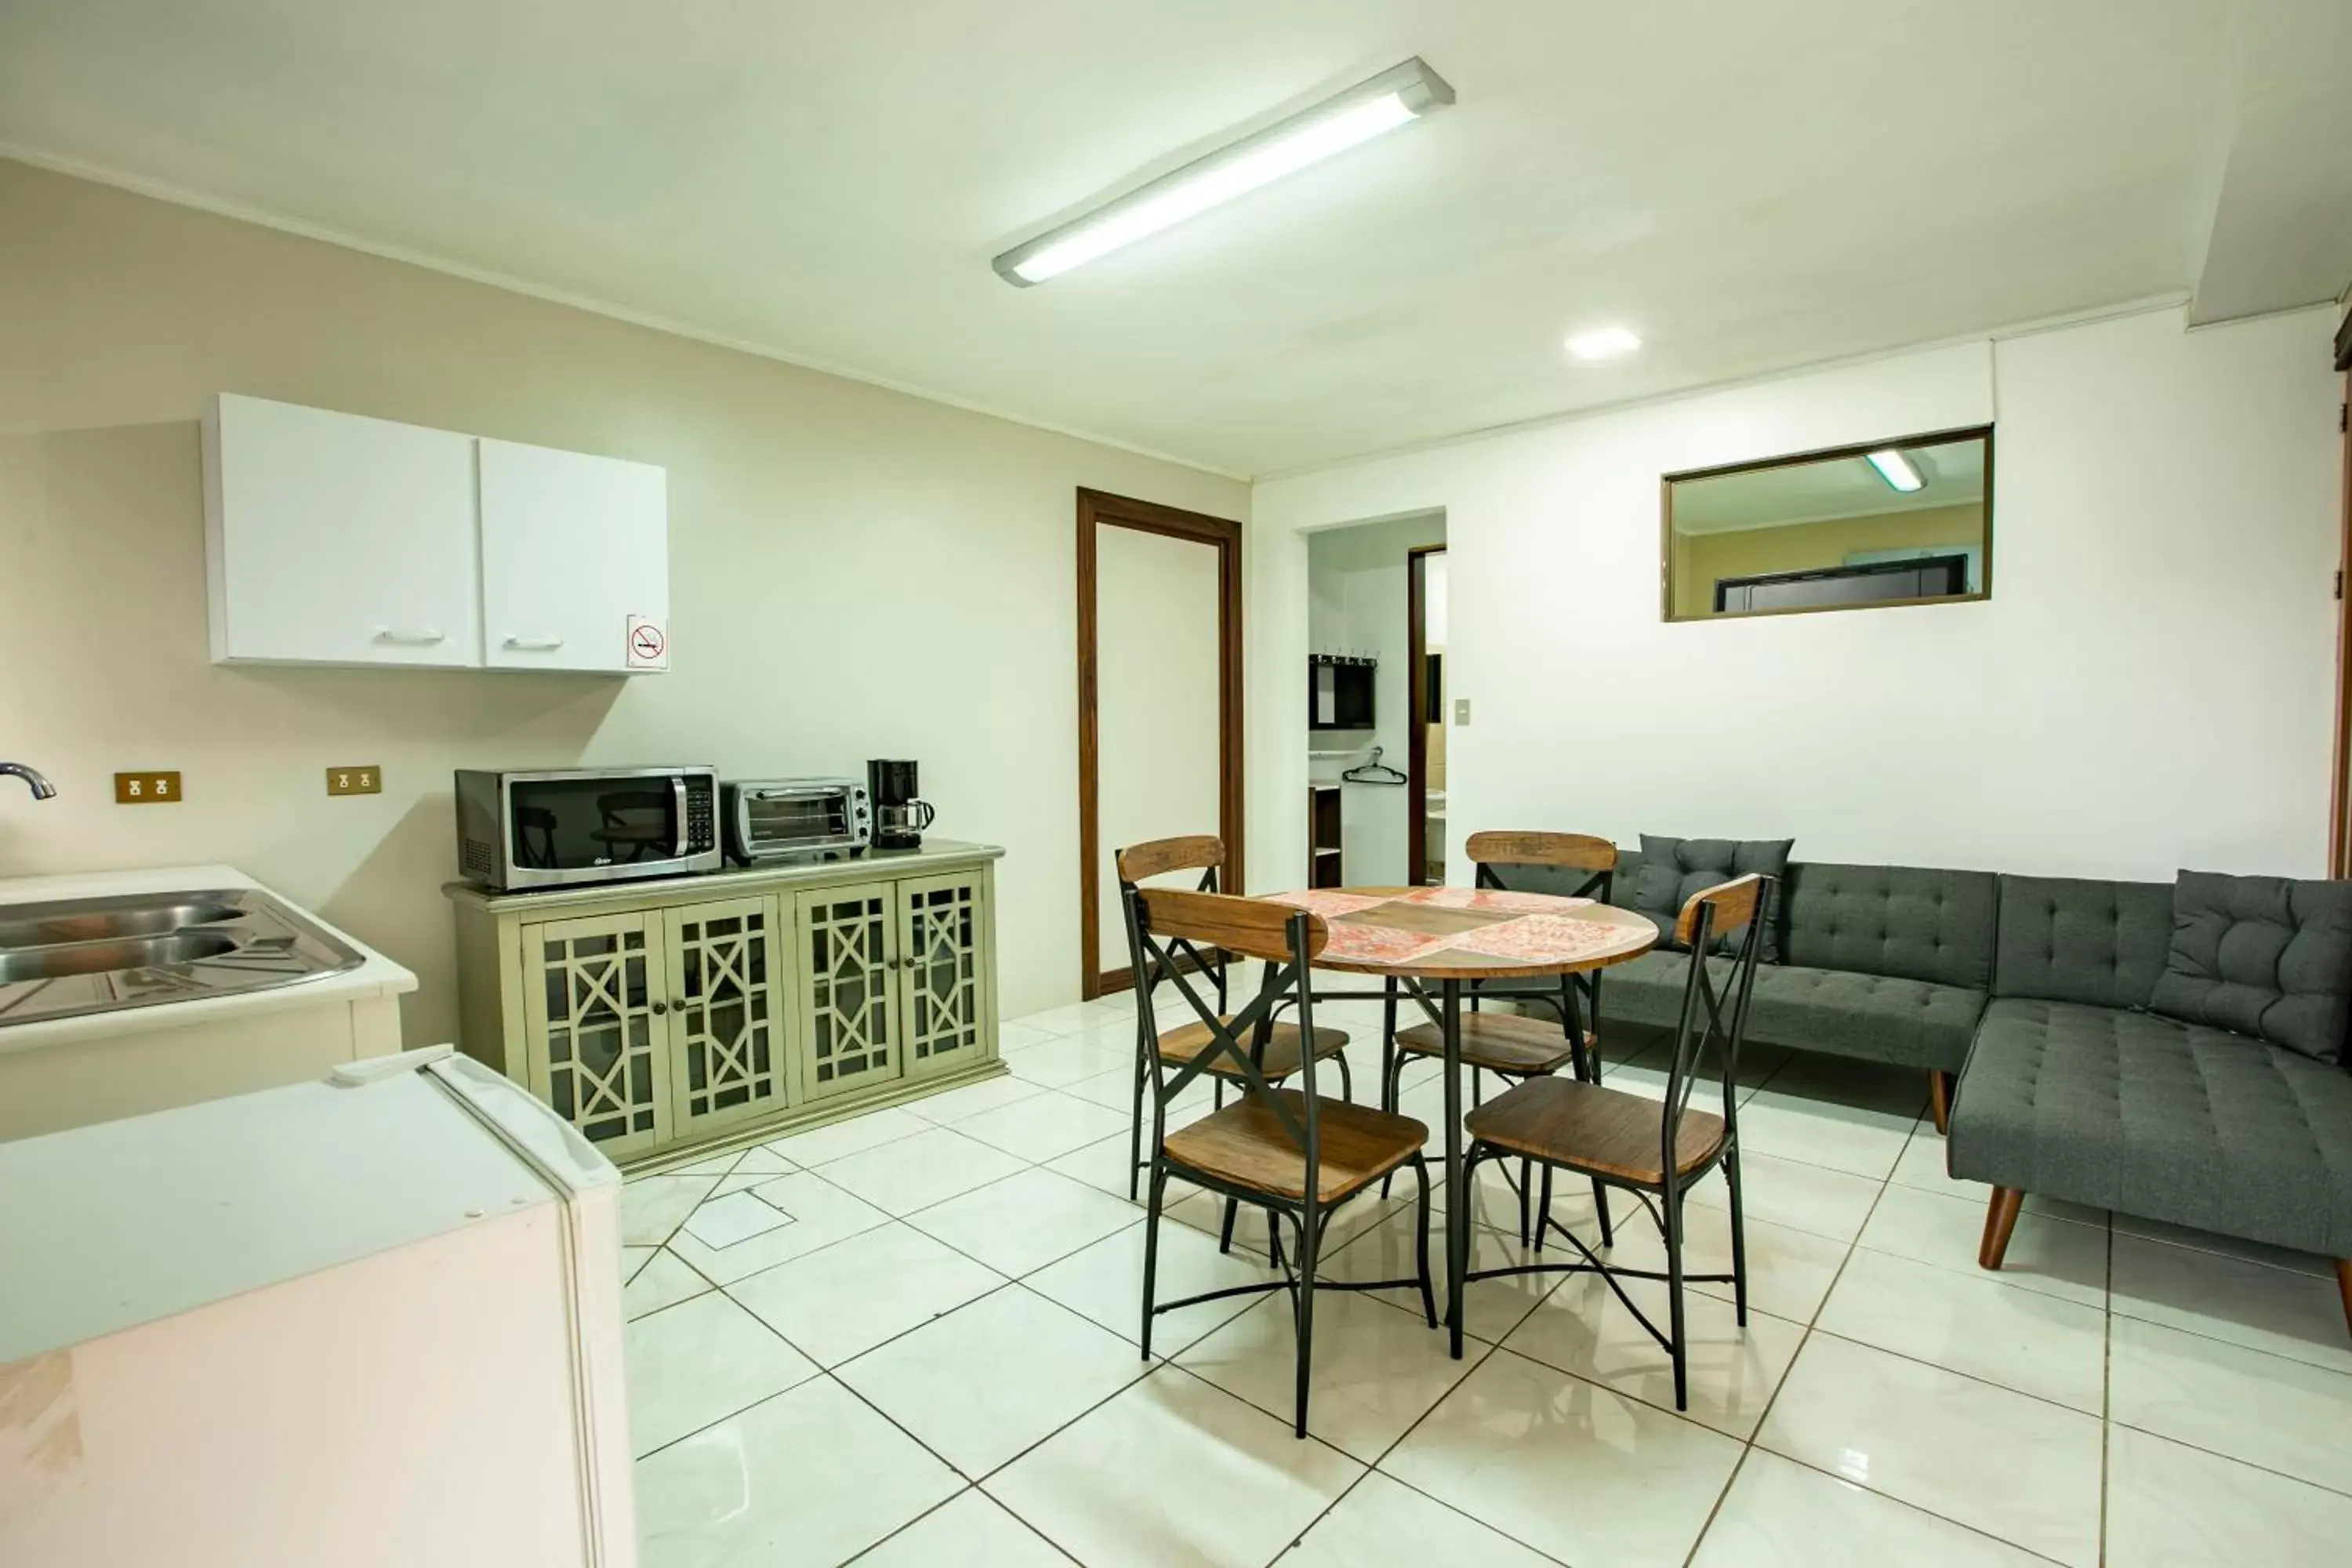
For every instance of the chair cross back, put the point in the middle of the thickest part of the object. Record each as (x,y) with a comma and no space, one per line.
(1285,938)
(1564,851)
(1710,1017)
(1204,852)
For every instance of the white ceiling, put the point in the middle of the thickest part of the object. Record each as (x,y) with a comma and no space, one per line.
(1828,490)
(1750,187)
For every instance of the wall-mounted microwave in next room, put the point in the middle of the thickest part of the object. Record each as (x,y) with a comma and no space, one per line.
(1339,691)
(553,829)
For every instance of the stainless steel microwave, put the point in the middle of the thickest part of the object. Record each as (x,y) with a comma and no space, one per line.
(560,828)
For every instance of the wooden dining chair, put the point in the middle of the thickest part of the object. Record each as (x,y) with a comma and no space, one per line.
(1292,1152)
(1656,1148)
(1204,853)
(1515,1046)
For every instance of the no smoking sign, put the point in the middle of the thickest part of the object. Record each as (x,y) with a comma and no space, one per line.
(648,644)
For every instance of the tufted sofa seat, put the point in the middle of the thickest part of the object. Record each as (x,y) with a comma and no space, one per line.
(1888,962)
(2176,1121)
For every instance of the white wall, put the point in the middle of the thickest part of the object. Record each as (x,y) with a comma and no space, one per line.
(854,573)
(1358,592)
(1158,707)
(2148,686)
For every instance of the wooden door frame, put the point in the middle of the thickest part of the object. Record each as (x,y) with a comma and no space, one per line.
(1098,509)
(2339,837)
(1416,745)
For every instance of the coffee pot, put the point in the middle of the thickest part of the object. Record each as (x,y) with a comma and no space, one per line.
(900,813)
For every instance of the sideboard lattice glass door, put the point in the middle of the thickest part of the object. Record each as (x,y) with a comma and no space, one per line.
(948,1001)
(849,1017)
(597,1044)
(728,1059)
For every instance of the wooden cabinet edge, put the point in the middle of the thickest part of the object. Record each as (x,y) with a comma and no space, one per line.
(496,981)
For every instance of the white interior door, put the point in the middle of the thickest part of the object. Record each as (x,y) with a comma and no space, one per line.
(1157,697)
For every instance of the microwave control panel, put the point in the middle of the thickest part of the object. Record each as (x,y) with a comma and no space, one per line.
(701,816)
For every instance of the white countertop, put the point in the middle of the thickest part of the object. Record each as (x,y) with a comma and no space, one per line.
(375,977)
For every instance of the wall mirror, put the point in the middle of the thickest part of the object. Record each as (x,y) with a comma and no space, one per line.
(1901,521)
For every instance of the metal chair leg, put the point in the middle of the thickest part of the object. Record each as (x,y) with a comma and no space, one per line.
(1601,1206)
(1674,1212)
(1225,1232)
(1738,1237)
(1391,1078)
(1135,1131)
(1527,1186)
(1152,1246)
(1543,1210)
(1347,1079)
(1310,1242)
(1421,1240)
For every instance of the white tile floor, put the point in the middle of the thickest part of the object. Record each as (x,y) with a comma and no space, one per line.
(910,1339)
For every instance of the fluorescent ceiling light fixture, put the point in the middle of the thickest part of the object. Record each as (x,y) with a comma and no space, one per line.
(1394,97)
(1603,343)
(1896,470)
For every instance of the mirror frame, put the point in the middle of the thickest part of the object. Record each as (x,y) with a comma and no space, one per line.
(1666,483)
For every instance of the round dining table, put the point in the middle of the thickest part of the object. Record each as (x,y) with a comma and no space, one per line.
(1448,938)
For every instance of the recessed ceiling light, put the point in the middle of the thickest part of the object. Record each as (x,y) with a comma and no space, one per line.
(1896,470)
(1391,98)
(1603,343)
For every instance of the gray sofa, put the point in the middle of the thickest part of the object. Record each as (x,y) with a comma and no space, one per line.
(2075,1089)
(1892,963)
(2040,994)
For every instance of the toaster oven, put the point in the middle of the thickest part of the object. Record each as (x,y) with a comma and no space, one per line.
(563,827)
(783,819)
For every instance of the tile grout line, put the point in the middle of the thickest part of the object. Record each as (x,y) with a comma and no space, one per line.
(1755,1433)
(1755,1442)
(1755,1436)
(2106,1388)
(2109,1314)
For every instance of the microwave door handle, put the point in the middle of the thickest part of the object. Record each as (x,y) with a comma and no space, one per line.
(680,849)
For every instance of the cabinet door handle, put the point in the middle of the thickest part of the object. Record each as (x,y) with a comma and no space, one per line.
(533,645)
(420,635)
(659,1008)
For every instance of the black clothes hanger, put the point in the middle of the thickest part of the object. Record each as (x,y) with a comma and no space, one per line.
(1375,771)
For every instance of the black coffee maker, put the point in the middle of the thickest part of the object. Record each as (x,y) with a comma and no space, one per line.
(899,815)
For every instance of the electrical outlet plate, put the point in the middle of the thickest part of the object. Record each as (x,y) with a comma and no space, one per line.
(156,786)
(358,778)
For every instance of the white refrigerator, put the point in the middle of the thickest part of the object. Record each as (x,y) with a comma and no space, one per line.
(371,1321)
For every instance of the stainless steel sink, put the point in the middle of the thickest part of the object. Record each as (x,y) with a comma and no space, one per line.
(99,955)
(98,919)
(104,957)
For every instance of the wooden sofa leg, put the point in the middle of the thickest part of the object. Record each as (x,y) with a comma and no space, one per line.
(2343,1286)
(1939,1099)
(2001,1218)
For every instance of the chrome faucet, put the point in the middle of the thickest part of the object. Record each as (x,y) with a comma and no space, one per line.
(42,788)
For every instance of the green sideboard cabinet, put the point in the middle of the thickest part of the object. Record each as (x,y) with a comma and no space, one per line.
(693,1012)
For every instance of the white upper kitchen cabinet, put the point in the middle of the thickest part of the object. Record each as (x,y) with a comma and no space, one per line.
(575,561)
(332,539)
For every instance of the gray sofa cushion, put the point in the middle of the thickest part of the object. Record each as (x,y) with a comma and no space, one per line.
(2099,943)
(2152,1116)
(1672,870)
(1879,1018)
(2262,956)
(1905,921)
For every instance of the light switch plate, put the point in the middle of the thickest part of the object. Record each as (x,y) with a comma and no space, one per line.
(1461,710)
(358,778)
(154,787)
